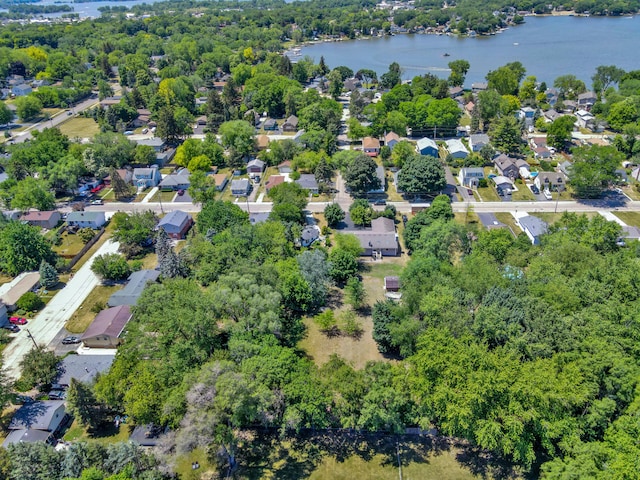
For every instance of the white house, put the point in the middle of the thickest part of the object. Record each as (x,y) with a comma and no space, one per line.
(456,148)
(470,176)
(585,119)
(93,220)
(533,227)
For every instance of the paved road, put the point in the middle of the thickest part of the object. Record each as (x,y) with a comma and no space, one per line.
(46,326)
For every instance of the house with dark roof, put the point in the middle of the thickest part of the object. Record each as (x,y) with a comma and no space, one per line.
(534,227)
(379,240)
(136,284)
(146,177)
(47,219)
(176,224)
(290,124)
(310,234)
(381,180)
(41,416)
(91,219)
(586,100)
(156,143)
(392,284)
(255,167)
(240,187)
(106,328)
(506,166)
(82,368)
(180,180)
(270,124)
(28,436)
(308,182)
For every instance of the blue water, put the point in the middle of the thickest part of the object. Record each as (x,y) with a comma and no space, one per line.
(547,47)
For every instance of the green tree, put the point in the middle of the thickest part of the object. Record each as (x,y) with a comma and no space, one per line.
(134,231)
(559,132)
(335,84)
(383,318)
(506,134)
(111,266)
(32,193)
(459,69)
(48,275)
(144,155)
(333,214)
(421,175)
(606,76)
(504,80)
(6,115)
(360,175)
(291,193)
(356,293)
(217,216)
(593,169)
(121,189)
(344,265)
(392,77)
(28,107)
(82,404)
(39,367)
(23,248)
(570,86)
(360,212)
(238,137)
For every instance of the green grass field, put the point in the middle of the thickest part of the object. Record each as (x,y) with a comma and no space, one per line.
(79,127)
(508,219)
(82,317)
(630,218)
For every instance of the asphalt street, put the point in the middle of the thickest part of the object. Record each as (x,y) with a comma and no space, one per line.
(45,327)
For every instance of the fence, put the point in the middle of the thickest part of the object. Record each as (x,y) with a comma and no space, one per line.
(84,250)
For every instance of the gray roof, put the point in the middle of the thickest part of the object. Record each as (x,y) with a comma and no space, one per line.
(85,217)
(82,368)
(145,172)
(152,142)
(427,143)
(258,217)
(308,181)
(631,233)
(176,179)
(256,163)
(479,138)
(133,289)
(382,234)
(26,436)
(177,219)
(534,225)
(36,415)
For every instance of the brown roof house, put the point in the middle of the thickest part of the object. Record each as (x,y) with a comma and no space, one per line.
(273,181)
(47,220)
(290,124)
(106,328)
(262,141)
(371,146)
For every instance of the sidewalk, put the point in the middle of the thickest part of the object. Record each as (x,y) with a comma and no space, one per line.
(46,325)
(147,198)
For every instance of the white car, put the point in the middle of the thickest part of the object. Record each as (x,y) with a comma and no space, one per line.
(547,194)
(97,202)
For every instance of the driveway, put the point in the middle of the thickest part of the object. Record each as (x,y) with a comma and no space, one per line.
(45,327)
(489,220)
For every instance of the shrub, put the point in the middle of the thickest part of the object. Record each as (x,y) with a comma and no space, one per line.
(349,324)
(326,321)
(30,302)
(86,234)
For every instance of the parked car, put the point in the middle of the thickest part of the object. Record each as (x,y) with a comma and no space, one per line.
(534,189)
(180,192)
(18,320)
(11,327)
(97,202)
(57,395)
(70,340)
(128,132)
(547,195)
(380,201)
(97,188)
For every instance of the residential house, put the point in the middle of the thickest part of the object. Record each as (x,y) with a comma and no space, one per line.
(570,106)
(252,117)
(298,136)
(477,141)
(552,95)
(165,156)
(82,368)
(273,181)
(527,114)
(427,146)
(125,174)
(310,234)
(392,284)
(91,219)
(586,100)
(221,180)
(143,118)
(550,181)
(270,125)
(180,180)
(382,180)
(351,84)
(176,224)
(506,166)
(371,146)
(585,119)
(107,327)
(455,92)
(379,240)
(541,153)
(565,167)
(479,87)
(462,131)
(155,142)
(538,142)
(36,422)
(469,107)
(285,167)
(11,292)
(136,284)
(551,115)
(109,101)
(390,139)
(290,124)
(470,176)
(533,227)
(47,219)
(504,185)
(255,167)
(523,168)
(308,182)
(21,90)
(240,187)
(262,141)
(456,148)
(146,177)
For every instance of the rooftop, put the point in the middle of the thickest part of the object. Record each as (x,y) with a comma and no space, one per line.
(82,368)
(34,215)
(109,322)
(176,218)
(133,289)
(37,415)
(534,225)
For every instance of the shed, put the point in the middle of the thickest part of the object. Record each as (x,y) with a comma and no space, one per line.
(176,224)
(221,180)
(392,284)
(106,328)
(129,295)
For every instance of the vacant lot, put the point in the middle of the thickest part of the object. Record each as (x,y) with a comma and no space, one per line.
(79,127)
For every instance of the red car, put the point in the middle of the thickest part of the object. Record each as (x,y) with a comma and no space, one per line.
(18,320)
(97,188)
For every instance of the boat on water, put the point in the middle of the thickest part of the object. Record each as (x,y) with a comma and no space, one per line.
(516,43)
(446,55)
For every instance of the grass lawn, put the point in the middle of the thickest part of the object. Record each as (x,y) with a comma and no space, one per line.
(630,218)
(508,219)
(184,462)
(149,261)
(488,194)
(108,195)
(392,193)
(105,236)
(359,350)
(70,246)
(342,456)
(523,194)
(107,435)
(467,218)
(321,197)
(160,196)
(5,278)
(82,317)
(79,127)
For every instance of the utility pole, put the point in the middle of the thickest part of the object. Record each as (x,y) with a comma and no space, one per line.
(31,337)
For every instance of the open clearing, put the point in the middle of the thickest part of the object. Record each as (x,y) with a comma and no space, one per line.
(79,127)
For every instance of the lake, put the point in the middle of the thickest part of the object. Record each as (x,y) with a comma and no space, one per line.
(547,47)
